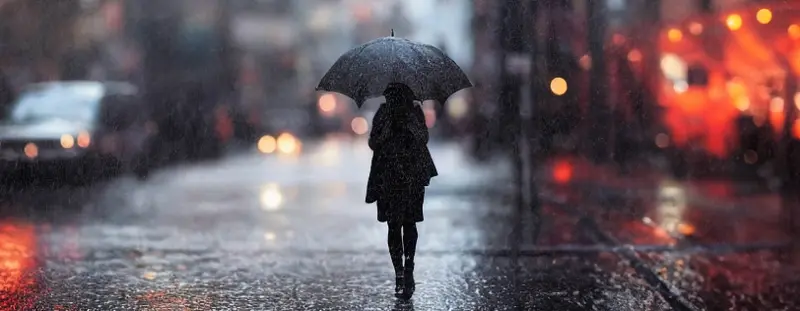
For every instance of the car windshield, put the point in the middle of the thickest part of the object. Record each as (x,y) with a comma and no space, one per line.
(76,102)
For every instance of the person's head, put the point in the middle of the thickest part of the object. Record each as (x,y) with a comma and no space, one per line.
(397,93)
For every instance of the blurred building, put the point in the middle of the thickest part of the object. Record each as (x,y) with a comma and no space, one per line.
(46,40)
(444,23)
(34,37)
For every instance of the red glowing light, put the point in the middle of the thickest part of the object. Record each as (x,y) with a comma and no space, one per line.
(562,172)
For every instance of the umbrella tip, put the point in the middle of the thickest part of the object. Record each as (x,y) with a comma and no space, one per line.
(392,32)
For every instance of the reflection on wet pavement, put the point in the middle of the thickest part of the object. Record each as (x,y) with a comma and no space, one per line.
(18,246)
(728,244)
(291,232)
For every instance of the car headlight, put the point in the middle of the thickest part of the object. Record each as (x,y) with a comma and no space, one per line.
(67,141)
(267,144)
(287,143)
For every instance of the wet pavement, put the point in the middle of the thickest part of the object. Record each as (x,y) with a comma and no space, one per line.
(291,232)
(714,244)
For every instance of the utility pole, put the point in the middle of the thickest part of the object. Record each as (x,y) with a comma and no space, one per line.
(513,62)
(510,46)
(650,59)
(520,55)
(598,83)
(520,92)
(788,148)
(530,95)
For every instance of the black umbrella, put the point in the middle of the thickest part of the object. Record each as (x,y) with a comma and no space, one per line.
(366,70)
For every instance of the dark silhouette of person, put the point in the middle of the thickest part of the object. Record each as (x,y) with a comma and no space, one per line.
(402,167)
(7,94)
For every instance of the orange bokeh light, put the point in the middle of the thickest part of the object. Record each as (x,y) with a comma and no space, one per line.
(794,31)
(734,21)
(327,102)
(686,229)
(764,16)
(796,129)
(674,35)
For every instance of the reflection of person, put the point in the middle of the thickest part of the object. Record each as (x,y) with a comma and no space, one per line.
(401,168)
(403,305)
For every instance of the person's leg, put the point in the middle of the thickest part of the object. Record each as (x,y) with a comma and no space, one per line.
(395,241)
(414,200)
(410,235)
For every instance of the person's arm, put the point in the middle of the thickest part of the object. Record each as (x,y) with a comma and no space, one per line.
(417,126)
(380,129)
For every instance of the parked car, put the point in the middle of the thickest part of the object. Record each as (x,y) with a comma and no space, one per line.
(81,128)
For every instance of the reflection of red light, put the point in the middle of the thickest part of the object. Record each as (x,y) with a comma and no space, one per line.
(562,172)
(719,189)
(224,124)
(17,251)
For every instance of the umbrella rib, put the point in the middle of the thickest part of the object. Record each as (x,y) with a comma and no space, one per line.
(422,58)
(451,87)
(353,57)
(352,63)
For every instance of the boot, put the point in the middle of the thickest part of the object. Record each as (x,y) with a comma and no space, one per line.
(398,281)
(397,263)
(408,275)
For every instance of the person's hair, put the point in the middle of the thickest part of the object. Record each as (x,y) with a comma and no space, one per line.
(398,93)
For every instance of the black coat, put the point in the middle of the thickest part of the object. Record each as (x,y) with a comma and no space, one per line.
(401,157)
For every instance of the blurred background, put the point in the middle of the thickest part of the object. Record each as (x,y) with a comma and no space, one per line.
(670,127)
(256,62)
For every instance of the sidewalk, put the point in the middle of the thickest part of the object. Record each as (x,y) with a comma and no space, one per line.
(713,211)
(648,179)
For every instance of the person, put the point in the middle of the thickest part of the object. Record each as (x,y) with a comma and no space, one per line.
(7,94)
(401,168)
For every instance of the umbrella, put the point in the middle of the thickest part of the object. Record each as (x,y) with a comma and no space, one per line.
(366,70)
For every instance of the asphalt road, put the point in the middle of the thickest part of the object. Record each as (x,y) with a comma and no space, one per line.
(291,232)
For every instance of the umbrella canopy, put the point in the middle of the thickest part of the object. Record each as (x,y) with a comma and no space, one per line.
(366,70)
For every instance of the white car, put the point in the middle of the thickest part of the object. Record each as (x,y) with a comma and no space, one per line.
(82,128)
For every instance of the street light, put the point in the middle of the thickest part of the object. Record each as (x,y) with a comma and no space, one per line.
(558,86)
